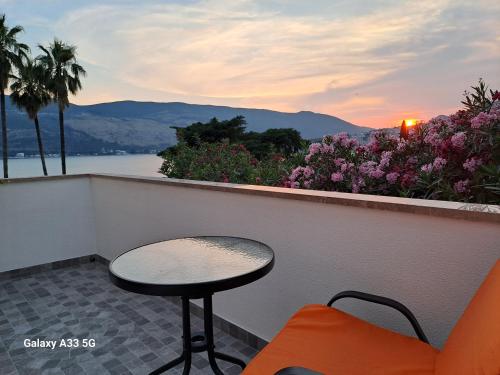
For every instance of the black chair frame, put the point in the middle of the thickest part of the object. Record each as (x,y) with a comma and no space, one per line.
(386,302)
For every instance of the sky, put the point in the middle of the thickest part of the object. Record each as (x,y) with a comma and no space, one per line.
(372,63)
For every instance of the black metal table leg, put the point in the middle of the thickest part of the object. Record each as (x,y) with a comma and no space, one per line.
(186,335)
(209,334)
(186,343)
(194,344)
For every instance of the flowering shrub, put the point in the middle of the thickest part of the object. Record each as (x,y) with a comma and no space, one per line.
(329,165)
(450,157)
(223,162)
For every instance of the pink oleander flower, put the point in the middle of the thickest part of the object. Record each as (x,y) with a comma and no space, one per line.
(308,172)
(461,186)
(314,148)
(472,164)
(427,168)
(346,166)
(339,161)
(357,184)
(480,120)
(296,173)
(385,159)
(347,142)
(392,177)
(433,139)
(325,149)
(337,177)
(377,173)
(367,167)
(339,137)
(307,184)
(484,119)
(458,140)
(438,164)
(401,145)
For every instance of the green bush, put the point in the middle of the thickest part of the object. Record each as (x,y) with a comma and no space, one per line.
(223,162)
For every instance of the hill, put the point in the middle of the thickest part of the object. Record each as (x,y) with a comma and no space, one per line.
(143,127)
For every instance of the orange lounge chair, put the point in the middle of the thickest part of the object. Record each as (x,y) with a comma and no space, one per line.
(321,339)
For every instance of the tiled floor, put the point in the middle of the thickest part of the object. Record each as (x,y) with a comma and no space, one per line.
(133,333)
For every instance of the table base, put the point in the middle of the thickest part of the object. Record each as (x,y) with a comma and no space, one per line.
(198,342)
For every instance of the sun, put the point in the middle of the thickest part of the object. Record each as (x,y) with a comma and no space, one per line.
(410,121)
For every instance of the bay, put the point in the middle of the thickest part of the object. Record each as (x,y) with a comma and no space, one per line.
(137,165)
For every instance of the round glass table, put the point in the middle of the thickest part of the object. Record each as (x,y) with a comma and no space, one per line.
(193,268)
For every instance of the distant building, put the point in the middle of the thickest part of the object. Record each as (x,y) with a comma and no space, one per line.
(20,155)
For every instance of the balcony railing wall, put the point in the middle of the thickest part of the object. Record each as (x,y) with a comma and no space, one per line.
(45,221)
(430,255)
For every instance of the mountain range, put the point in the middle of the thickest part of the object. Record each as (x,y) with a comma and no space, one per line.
(144,127)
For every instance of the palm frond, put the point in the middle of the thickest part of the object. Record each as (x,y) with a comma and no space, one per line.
(78,70)
(59,58)
(29,90)
(45,50)
(23,47)
(14,30)
(11,52)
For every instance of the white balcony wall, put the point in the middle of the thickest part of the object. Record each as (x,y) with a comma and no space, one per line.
(45,220)
(433,264)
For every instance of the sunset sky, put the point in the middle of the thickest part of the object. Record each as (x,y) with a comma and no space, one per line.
(369,62)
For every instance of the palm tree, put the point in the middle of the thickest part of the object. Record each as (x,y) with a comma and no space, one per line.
(10,55)
(29,92)
(60,61)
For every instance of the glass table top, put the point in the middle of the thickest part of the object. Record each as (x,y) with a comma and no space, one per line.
(192,260)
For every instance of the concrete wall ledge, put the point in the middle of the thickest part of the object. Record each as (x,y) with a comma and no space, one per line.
(455,210)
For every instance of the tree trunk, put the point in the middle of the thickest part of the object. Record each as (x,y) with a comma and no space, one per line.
(40,146)
(63,145)
(4,135)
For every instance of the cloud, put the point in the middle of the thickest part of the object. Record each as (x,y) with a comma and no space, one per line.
(222,49)
(348,58)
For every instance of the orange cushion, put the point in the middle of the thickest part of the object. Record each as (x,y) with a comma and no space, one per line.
(473,347)
(330,341)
